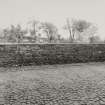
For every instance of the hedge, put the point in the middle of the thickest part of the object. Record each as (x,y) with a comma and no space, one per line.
(37,54)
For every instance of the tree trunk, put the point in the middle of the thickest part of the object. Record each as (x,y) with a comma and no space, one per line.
(70,32)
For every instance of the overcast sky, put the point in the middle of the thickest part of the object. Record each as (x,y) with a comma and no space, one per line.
(56,11)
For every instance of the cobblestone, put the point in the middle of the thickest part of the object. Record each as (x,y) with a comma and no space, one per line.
(90,93)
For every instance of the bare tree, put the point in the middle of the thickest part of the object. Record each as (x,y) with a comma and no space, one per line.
(91,33)
(69,28)
(51,31)
(76,27)
(94,39)
(79,27)
(33,31)
(14,34)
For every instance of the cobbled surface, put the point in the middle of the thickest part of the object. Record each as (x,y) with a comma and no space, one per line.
(38,92)
(53,85)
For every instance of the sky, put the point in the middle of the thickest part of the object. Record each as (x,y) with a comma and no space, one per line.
(55,11)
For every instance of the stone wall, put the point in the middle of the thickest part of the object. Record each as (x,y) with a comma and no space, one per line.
(36,54)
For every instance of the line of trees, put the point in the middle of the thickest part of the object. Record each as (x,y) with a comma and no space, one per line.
(78,30)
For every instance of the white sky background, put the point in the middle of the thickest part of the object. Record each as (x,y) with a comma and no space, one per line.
(55,11)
